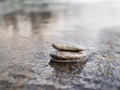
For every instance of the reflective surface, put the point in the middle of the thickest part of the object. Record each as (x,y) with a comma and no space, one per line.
(26,36)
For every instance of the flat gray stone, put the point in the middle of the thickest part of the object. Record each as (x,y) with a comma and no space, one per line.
(64,46)
(73,60)
(67,55)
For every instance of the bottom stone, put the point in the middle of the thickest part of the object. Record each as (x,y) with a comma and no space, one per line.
(73,60)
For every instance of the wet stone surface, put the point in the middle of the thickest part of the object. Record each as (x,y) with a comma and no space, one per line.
(67,55)
(65,46)
(25,44)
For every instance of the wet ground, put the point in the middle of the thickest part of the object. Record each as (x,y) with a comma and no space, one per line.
(26,35)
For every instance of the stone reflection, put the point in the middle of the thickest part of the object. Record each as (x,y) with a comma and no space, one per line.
(74,67)
(64,74)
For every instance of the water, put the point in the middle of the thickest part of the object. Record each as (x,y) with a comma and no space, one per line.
(26,35)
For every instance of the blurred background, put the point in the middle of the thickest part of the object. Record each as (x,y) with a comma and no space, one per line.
(29,27)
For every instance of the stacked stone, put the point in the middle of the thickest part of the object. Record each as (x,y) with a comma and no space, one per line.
(67,52)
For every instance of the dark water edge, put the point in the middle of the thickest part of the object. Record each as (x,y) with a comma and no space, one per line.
(26,35)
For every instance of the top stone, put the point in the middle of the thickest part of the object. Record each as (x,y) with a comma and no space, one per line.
(64,46)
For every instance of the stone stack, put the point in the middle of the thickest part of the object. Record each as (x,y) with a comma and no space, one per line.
(67,52)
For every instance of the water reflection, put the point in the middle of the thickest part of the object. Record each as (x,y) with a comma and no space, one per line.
(32,24)
(74,67)
(10,23)
(25,24)
(39,21)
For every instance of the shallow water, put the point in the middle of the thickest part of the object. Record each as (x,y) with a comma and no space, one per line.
(26,35)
